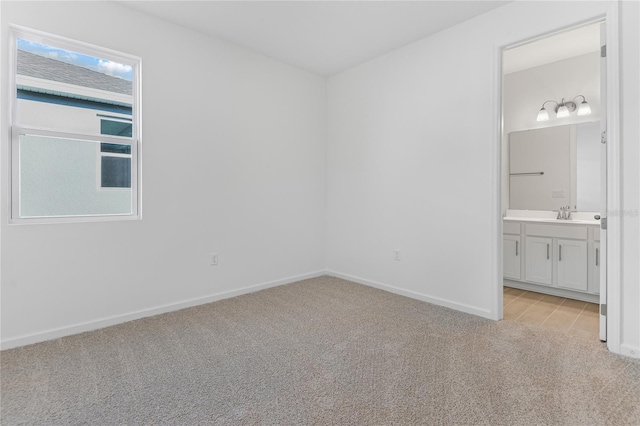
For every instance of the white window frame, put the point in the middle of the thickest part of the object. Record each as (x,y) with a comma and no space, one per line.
(18,129)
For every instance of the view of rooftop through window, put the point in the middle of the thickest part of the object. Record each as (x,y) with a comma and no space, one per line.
(56,76)
(103,66)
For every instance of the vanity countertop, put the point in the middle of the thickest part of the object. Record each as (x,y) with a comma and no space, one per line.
(554,221)
(541,216)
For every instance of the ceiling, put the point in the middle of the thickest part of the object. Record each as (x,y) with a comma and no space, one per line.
(324,37)
(567,44)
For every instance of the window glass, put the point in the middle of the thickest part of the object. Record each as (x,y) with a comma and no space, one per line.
(116,172)
(61,89)
(116,128)
(115,148)
(74,129)
(58,178)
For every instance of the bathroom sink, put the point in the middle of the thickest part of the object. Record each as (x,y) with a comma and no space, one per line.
(578,218)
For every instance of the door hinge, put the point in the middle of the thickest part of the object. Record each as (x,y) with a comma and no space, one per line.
(603,51)
(603,310)
(603,136)
(603,223)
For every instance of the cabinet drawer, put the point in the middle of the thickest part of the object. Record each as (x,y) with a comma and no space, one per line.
(510,228)
(557,231)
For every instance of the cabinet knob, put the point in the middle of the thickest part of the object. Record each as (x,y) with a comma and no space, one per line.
(596,217)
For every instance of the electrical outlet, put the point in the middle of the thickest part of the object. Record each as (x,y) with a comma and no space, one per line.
(396,254)
(213,259)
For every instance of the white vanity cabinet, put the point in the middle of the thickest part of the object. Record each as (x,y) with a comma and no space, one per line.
(571,264)
(511,251)
(511,256)
(558,258)
(538,260)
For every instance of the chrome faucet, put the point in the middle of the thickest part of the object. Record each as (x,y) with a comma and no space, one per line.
(564,213)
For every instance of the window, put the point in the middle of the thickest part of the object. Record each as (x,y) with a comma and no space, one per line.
(115,159)
(75,131)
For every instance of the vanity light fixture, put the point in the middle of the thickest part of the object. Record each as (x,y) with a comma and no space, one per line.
(564,108)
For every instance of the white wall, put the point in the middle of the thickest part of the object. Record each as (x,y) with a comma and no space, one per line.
(413,160)
(525,91)
(233,162)
(588,167)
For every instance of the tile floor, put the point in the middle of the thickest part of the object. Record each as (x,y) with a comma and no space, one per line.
(564,315)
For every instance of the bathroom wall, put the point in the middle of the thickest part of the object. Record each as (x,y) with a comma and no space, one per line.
(525,91)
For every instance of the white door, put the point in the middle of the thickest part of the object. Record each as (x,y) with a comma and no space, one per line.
(511,256)
(603,183)
(572,264)
(538,260)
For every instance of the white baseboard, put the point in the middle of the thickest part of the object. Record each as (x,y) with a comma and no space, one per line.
(119,319)
(485,313)
(630,351)
(554,291)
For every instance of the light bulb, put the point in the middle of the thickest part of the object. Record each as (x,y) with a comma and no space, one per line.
(543,115)
(584,109)
(563,111)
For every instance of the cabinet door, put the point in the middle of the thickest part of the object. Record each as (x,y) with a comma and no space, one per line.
(538,260)
(511,256)
(572,264)
(595,268)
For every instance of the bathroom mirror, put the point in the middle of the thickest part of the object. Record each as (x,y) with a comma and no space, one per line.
(555,166)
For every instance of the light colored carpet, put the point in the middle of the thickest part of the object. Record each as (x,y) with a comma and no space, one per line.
(320,351)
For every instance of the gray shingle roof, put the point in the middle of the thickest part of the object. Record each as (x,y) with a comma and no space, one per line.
(50,69)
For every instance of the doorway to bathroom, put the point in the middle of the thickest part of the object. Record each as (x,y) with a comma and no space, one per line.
(554,181)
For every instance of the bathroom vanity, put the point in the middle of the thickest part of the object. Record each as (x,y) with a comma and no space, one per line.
(551,169)
(552,256)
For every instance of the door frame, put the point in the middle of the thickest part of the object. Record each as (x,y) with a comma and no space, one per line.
(613,207)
